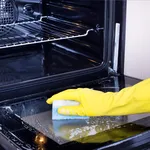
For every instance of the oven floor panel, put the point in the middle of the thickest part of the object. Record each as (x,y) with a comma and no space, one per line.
(31,65)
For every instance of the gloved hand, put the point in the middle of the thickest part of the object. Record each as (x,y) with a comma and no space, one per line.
(130,100)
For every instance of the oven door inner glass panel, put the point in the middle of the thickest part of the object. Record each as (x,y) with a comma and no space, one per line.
(38,114)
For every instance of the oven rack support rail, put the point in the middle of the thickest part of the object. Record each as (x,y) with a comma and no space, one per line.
(47,29)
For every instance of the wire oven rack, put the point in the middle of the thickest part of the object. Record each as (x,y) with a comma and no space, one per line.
(46,29)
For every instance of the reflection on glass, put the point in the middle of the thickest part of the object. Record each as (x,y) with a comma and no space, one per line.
(40,140)
(114,135)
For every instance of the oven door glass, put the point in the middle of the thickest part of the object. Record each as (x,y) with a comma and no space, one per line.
(38,114)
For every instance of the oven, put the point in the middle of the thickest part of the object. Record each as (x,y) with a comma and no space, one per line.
(47,46)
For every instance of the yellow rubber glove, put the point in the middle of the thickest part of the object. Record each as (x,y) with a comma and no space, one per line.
(130,100)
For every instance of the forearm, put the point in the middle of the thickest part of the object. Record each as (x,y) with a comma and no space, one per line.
(131,100)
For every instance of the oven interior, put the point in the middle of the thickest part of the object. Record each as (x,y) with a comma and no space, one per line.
(49,37)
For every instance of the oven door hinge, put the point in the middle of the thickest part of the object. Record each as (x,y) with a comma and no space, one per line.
(112,72)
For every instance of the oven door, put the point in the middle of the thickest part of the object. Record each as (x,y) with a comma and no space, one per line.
(26,123)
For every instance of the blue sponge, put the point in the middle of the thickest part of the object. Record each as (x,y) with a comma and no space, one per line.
(59,103)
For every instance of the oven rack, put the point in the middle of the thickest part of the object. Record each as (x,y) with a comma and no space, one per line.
(47,29)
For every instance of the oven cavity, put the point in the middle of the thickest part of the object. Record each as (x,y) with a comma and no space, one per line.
(25,23)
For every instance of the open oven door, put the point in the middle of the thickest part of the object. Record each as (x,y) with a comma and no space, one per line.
(26,123)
